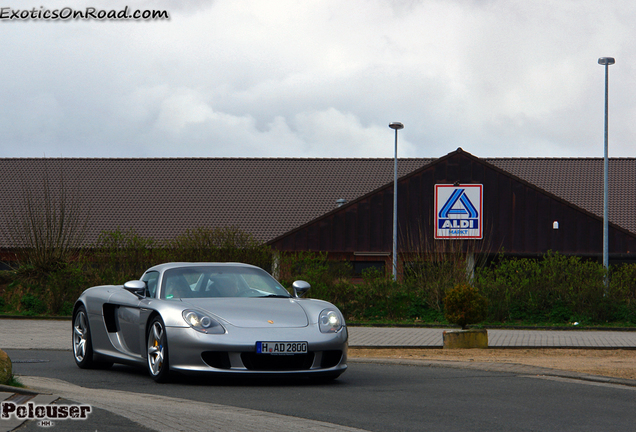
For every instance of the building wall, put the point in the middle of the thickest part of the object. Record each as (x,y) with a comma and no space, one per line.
(518,218)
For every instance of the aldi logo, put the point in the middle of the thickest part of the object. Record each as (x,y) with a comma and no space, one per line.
(458,211)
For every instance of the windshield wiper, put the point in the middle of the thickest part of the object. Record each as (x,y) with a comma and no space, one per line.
(277,296)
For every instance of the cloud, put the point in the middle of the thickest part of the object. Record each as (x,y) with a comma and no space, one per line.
(311,133)
(321,79)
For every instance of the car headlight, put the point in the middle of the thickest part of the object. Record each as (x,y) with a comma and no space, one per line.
(330,321)
(202,323)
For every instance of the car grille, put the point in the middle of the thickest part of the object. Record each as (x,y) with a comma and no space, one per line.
(217,359)
(261,362)
(330,358)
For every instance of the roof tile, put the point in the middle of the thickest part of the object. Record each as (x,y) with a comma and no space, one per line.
(161,198)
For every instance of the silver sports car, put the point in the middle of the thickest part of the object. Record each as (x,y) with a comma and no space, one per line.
(209,317)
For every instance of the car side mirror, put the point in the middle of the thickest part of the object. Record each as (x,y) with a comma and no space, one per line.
(136,287)
(300,288)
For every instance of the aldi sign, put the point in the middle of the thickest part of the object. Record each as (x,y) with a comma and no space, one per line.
(458,211)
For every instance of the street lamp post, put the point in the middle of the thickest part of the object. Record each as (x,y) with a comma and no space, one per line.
(395,126)
(606,61)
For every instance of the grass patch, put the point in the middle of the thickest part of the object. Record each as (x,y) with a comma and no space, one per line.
(14,382)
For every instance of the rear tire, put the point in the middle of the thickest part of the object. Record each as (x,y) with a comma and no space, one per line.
(157,343)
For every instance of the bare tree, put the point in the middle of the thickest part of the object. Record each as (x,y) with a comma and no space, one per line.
(435,266)
(48,225)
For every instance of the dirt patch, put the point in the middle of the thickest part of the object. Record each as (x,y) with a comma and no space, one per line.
(612,363)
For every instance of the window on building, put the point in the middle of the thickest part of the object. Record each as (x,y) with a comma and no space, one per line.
(360,266)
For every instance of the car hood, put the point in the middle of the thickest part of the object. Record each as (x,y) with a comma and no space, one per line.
(254,312)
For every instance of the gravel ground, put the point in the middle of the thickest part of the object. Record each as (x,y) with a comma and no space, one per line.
(616,363)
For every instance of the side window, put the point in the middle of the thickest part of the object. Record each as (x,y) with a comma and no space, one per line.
(151,279)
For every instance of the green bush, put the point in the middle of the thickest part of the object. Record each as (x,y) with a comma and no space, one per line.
(381,297)
(119,256)
(376,298)
(66,309)
(32,305)
(329,280)
(430,280)
(464,305)
(555,289)
(116,257)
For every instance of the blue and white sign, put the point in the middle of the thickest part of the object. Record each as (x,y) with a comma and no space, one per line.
(458,211)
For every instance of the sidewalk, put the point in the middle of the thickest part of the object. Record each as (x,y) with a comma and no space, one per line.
(392,337)
(56,334)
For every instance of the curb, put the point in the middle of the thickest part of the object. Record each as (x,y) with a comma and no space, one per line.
(530,347)
(515,368)
(491,327)
(19,390)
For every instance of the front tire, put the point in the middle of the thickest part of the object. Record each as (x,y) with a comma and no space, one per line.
(158,365)
(82,344)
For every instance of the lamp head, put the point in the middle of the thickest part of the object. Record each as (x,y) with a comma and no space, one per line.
(396,125)
(606,61)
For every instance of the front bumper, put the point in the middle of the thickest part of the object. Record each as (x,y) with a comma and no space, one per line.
(235,352)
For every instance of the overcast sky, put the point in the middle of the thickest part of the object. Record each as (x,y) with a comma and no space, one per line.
(320,78)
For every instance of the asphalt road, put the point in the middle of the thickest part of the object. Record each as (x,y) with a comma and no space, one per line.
(379,397)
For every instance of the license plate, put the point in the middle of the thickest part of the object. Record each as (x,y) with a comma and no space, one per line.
(286,348)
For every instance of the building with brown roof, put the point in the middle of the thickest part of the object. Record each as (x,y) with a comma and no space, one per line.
(527,207)
(291,203)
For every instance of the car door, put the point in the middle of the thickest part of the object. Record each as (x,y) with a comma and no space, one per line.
(128,314)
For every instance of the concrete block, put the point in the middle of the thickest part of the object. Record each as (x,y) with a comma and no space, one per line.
(473,338)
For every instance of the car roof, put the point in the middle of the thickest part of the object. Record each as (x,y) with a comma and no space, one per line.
(166,266)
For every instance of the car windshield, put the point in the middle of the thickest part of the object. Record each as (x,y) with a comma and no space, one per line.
(219,281)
